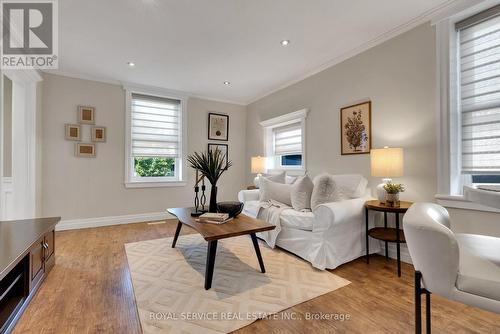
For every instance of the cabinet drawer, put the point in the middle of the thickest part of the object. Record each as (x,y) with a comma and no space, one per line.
(50,242)
(37,261)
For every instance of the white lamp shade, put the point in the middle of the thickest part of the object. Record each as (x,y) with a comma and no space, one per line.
(258,165)
(387,162)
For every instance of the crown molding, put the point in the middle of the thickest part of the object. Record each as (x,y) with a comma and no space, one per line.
(425,17)
(130,84)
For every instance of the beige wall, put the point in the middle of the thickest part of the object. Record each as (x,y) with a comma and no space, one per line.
(399,78)
(85,188)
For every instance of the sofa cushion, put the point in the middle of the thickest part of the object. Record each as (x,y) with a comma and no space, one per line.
(297,220)
(479,267)
(290,179)
(279,178)
(301,193)
(348,185)
(324,190)
(270,190)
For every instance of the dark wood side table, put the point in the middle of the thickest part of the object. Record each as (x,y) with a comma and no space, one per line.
(386,234)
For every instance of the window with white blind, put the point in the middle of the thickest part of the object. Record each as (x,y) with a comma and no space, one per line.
(479,95)
(287,144)
(155,140)
(285,141)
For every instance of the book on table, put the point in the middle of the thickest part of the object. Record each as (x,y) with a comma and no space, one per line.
(214,218)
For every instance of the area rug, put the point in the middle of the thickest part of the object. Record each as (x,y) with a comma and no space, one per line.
(169,284)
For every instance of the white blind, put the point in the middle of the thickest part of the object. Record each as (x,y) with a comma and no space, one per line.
(479,62)
(156,126)
(288,139)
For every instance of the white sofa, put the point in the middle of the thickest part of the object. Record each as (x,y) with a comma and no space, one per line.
(330,235)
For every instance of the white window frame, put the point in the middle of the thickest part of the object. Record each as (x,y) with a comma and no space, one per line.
(274,162)
(132,181)
(449,155)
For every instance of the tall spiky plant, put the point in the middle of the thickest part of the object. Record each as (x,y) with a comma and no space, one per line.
(210,164)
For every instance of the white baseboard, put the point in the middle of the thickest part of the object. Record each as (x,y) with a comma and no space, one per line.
(405,255)
(73,224)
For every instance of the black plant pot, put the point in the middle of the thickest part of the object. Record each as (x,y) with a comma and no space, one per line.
(212,207)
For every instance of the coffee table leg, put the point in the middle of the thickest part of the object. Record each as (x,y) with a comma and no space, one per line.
(257,251)
(209,269)
(177,231)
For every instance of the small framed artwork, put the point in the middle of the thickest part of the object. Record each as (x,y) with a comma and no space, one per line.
(218,127)
(99,134)
(85,150)
(86,115)
(222,147)
(355,129)
(72,132)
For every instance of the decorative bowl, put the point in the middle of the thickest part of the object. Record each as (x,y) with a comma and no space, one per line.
(231,208)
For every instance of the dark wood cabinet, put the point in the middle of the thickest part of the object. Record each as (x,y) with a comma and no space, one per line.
(27,254)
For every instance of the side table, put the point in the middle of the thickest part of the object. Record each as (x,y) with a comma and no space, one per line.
(386,234)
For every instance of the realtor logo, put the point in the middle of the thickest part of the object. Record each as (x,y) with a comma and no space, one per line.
(29,34)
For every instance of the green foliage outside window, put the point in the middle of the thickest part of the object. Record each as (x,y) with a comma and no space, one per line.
(154,167)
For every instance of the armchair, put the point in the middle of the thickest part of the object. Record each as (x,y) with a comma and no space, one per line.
(461,267)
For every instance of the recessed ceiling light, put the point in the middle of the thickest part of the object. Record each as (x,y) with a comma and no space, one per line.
(285,42)
(131,64)
(227,83)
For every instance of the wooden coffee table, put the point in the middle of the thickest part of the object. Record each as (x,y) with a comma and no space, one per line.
(241,225)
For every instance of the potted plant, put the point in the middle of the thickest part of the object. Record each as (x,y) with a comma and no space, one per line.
(212,165)
(393,190)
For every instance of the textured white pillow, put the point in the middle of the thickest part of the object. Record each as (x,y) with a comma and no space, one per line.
(301,193)
(270,190)
(290,179)
(325,190)
(350,185)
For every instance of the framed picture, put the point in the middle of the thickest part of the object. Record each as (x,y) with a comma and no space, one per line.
(218,127)
(355,129)
(72,132)
(86,115)
(99,134)
(85,150)
(222,147)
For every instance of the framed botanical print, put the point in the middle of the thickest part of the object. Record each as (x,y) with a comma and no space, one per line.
(86,115)
(85,150)
(222,147)
(355,129)
(218,127)
(99,134)
(72,132)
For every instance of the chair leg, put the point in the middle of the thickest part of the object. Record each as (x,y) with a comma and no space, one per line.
(428,312)
(418,300)
(418,305)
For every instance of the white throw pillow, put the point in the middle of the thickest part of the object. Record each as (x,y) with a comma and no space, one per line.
(301,193)
(279,178)
(290,179)
(270,190)
(325,190)
(350,185)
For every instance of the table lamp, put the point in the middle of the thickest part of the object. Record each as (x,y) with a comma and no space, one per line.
(258,166)
(386,162)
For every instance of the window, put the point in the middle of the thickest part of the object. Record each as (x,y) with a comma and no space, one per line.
(155,140)
(479,96)
(287,144)
(285,141)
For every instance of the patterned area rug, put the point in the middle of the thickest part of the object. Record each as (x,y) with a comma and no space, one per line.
(169,284)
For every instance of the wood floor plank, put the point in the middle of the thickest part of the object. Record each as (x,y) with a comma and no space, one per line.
(90,291)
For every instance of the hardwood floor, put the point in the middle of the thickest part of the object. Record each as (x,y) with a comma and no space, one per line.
(90,291)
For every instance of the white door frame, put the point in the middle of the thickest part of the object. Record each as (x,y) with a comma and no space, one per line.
(22,203)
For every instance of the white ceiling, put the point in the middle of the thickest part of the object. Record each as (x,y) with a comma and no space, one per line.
(194,46)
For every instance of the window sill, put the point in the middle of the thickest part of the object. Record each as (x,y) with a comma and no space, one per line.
(459,202)
(155,184)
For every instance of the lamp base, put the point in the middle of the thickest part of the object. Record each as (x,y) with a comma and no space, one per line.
(256,180)
(381,193)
